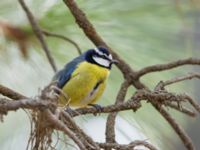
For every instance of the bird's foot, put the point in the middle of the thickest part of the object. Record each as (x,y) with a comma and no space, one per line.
(99,108)
(70,111)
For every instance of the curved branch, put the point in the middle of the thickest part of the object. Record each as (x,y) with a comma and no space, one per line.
(171,65)
(63,38)
(181,78)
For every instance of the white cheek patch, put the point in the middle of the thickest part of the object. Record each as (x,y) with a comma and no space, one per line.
(101,61)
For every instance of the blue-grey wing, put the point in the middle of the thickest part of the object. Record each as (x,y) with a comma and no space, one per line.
(63,76)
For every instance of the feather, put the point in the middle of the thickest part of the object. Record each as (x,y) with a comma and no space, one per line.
(64,75)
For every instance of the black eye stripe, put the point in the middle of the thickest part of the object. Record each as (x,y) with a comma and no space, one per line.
(103,56)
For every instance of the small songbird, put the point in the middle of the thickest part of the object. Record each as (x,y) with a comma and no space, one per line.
(83,79)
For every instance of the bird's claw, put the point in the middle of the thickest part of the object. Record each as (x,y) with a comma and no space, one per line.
(99,108)
(70,111)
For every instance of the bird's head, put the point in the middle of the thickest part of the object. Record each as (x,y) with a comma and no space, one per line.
(100,56)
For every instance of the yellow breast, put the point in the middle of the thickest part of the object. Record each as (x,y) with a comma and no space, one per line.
(85,86)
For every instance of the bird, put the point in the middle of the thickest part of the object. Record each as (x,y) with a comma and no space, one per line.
(83,80)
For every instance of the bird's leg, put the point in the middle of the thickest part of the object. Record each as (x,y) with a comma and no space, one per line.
(70,111)
(98,107)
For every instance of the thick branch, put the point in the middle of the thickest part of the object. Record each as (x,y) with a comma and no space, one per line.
(130,146)
(9,105)
(91,33)
(10,93)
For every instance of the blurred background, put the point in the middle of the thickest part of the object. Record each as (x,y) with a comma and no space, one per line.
(143,32)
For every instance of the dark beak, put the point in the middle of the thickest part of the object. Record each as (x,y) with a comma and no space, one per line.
(114,61)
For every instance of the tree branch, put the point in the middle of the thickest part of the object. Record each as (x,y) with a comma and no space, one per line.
(63,38)
(85,138)
(9,105)
(171,65)
(128,73)
(189,76)
(38,33)
(180,132)
(61,126)
(91,33)
(130,146)
(181,109)
(10,93)
(129,105)
(110,124)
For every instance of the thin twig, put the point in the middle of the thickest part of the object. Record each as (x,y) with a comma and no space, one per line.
(110,124)
(63,38)
(179,79)
(171,65)
(38,33)
(181,109)
(192,102)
